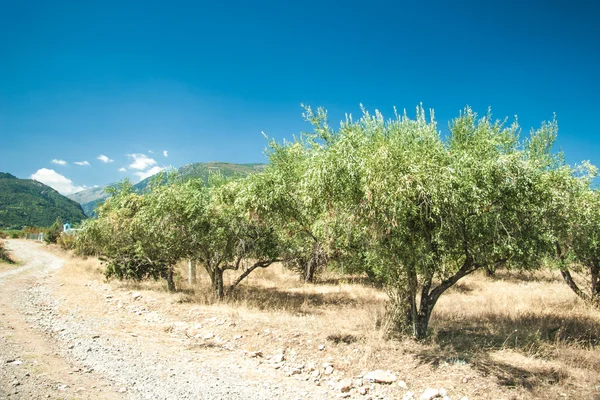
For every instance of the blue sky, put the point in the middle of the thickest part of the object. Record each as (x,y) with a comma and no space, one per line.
(129,80)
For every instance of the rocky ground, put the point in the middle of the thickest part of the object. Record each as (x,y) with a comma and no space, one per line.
(89,341)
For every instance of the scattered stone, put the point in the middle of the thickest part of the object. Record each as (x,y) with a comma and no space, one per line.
(295,371)
(345,385)
(403,385)
(14,362)
(328,370)
(315,373)
(321,347)
(237,337)
(209,335)
(363,391)
(466,379)
(380,376)
(277,358)
(358,383)
(96,336)
(62,388)
(15,383)
(430,394)
(136,295)
(81,389)
(254,354)
(122,390)
(443,392)
(343,395)
(408,396)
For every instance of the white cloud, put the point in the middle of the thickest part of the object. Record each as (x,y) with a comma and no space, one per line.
(141,161)
(104,159)
(150,151)
(82,163)
(56,181)
(122,169)
(165,153)
(145,174)
(59,162)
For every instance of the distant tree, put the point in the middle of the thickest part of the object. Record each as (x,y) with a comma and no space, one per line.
(53,233)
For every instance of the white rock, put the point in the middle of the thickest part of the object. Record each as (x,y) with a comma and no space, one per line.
(209,335)
(429,394)
(277,358)
(403,385)
(380,376)
(408,396)
(443,392)
(345,385)
(136,295)
(321,347)
(363,391)
(328,370)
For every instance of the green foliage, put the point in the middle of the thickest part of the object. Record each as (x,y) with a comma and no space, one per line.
(418,210)
(92,198)
(575,218)
(54,232)
(26,202)
(142,236)
(66,242)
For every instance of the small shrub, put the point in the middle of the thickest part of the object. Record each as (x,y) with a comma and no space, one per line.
(54,232)
(4,254)
(66,242)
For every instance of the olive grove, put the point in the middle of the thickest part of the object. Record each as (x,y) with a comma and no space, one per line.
(415,208)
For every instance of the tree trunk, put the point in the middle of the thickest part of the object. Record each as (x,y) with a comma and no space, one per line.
(217,283)
(260,264)
(418,318)
(595,275)
(192,272)
(170,281)
(309,271)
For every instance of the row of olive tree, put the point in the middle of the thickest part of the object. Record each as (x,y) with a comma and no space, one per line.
(415,209)
(144,235)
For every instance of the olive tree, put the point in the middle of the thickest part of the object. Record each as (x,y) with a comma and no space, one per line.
(429,209)
(221,234)
(138,236)
(281,197)
(576,219)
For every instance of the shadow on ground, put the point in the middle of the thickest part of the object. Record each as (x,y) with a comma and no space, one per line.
(473,342)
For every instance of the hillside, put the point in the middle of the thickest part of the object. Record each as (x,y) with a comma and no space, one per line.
(90,198)
(25,202)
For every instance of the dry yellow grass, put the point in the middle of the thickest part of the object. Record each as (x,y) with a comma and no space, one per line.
(508,337)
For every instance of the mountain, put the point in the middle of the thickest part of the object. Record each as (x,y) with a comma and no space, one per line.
(90,198)
(26,202)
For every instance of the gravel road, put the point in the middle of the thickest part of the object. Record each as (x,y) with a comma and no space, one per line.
(48,350)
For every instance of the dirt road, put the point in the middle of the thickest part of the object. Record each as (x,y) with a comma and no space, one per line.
(73,341)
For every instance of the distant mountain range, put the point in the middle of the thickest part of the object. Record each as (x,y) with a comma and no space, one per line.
(26,202)
(91,198)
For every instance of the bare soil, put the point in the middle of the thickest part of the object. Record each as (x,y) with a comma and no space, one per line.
(66,333)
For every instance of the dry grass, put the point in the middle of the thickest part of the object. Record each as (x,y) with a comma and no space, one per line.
(510,337)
